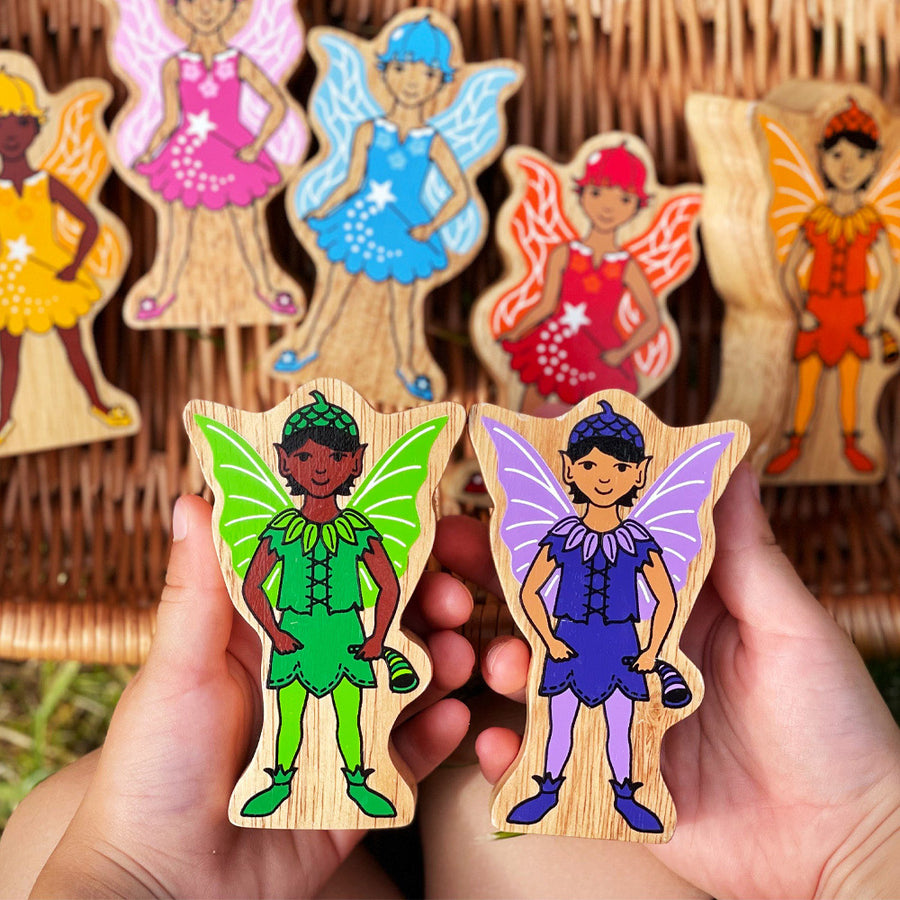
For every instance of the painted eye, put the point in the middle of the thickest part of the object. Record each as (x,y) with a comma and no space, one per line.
(338,455)
(587,466)
(304,457)
(621,467)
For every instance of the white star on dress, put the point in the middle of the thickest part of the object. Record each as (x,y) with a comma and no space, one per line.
(200,125)
(574,316)
(18,250)
(380,194)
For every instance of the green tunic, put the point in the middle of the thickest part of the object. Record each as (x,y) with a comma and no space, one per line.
(319,598)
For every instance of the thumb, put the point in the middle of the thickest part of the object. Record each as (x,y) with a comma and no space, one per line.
(754,579)
(195,613)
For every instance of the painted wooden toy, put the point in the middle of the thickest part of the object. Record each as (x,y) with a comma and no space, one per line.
(324,584)
(802,231)
(389,208)
(208,136)
(62,256)
(592,251)
(602,534)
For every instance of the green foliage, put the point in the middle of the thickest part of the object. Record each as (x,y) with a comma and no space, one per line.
(50,715)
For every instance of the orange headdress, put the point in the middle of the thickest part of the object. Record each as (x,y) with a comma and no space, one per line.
(852,119)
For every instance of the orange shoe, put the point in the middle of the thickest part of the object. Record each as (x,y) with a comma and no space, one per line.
(115,416)
(785,460)
(855,456)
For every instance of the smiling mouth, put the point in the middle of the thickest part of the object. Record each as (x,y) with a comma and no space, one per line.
(320,483)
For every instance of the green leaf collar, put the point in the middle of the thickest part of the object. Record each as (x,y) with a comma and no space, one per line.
(297,527)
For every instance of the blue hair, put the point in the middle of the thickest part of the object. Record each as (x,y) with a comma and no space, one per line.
(419,42)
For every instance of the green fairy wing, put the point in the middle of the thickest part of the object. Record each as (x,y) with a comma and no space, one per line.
(251,496)
(387,497)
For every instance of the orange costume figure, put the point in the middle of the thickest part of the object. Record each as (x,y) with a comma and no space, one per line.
(841,235)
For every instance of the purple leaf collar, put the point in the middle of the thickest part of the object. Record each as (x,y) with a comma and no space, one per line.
(622,537)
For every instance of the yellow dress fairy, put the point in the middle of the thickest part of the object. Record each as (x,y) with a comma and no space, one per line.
(32,297)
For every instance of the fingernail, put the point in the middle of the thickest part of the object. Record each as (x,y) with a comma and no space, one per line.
(179,522)
(490,657)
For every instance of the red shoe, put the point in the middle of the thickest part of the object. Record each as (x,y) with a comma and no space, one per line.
(785,460)
(855,456)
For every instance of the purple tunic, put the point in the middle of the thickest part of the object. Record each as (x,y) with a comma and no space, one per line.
(596,609)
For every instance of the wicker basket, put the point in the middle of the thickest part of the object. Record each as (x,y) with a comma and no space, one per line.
(85,530)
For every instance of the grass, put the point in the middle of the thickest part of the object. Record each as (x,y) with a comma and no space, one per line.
(54,713)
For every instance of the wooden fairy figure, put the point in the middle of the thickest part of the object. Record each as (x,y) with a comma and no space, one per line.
(839,239)
(581,307)
(222,125)
(44,286)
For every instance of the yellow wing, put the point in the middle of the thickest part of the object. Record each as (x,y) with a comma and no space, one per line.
(884,195)
(796,187)
(80,161)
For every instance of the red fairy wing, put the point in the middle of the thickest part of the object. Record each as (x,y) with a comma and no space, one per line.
(537,224)
(666,253)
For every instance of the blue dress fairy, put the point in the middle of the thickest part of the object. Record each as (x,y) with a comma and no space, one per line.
(370,231)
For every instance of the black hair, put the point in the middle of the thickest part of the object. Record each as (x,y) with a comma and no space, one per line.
(326,436)
(859,139)
(618,448)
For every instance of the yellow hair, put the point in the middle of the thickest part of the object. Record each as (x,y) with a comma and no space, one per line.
(17,98)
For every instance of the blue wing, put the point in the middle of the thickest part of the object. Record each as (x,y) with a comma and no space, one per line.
(535,501)
(471,128)
(670,509)
(340,103)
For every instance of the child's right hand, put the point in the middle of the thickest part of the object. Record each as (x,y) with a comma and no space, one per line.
(787,778)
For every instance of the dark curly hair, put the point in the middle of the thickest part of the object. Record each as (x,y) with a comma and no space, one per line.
(325,436)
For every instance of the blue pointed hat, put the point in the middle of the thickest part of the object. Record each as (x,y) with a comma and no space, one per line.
(607,423)
(419,42)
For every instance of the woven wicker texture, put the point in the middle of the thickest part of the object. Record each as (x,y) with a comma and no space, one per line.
(85,530)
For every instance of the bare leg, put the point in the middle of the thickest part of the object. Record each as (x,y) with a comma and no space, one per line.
(246,225)
(10,345)
(181,225)
(71,339)
(403,329)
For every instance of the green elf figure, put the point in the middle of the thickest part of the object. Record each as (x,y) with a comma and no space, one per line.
(319,646)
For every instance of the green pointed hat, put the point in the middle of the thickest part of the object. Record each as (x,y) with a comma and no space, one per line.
(321,413)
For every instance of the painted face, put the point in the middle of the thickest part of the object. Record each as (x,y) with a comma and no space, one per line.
(205,16)
(412,83)
(318,469)
(607,206)
(847,166)
(603,479)
(16,135)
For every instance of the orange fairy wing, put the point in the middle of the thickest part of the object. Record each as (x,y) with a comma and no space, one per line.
(80,161)
(537,224)
(884,195)
(667,253)
(796,186)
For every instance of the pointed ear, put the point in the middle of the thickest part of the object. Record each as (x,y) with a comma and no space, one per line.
(358,455)
(567,474)
(642,471)
(283,470)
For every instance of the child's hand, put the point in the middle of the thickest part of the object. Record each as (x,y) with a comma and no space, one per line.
(153,820)
(787,779)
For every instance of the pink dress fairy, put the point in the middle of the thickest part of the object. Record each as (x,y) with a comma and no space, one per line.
(198,164)
(563,354)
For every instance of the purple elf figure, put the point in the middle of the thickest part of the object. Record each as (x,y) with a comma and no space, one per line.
(594,657)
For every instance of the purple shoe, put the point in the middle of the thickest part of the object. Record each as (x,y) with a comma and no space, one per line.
(535,808)
(637,816)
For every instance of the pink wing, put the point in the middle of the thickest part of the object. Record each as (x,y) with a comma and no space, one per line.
(141,45)
(537,224)
(667,253)
(274,41)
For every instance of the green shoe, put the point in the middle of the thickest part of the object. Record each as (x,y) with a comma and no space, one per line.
(266,802)
(370,802)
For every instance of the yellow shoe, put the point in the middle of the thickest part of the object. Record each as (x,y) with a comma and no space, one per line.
(115,416)
(6,429)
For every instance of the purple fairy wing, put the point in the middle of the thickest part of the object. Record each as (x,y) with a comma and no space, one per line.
(535,501)
(670,510)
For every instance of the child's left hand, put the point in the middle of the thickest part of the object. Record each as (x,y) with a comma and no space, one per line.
(153,820)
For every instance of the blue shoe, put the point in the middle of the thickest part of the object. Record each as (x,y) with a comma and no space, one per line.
(637,816)
(675,691)
(532,810)
(290,362)
(419,387)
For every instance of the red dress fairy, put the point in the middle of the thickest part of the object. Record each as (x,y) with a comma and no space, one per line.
(564,353)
